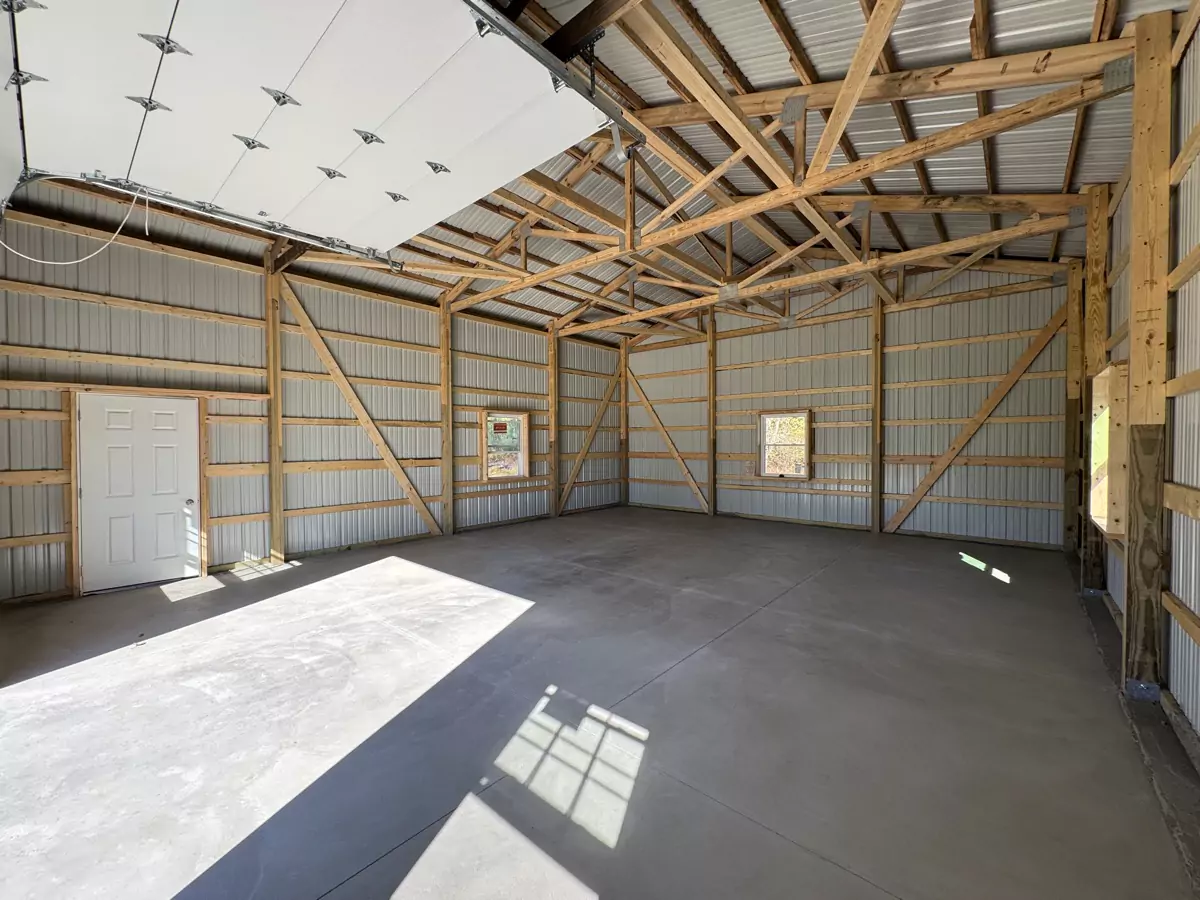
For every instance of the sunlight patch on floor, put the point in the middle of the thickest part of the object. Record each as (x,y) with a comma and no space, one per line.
(477,855)
(580,759)
(240,712)
(983,567)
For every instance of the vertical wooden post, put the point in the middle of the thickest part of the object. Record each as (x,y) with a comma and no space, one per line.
(630,202)
(202,514)
(1095,355)
(552,404)
(70,494)
(274,411)
(899,292)
(728,249)
(1150,242)
(877,319)
(446,347)
(800,148)
(623,362)
(712,411)
(1073,422)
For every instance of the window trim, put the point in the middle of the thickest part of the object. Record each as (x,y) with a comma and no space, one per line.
(524,416)
(762,445)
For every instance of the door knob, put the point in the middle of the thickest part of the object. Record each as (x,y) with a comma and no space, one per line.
(190,501)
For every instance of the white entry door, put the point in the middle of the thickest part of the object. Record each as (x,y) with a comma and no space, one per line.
(139,481)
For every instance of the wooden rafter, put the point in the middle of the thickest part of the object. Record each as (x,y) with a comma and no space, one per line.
(674,151)
(807,74)
(1104,20)
(1062,100)
(741,86)
(876,34)
(886,65)
(877,264)
(667,43)
(939,466)
(1037,68)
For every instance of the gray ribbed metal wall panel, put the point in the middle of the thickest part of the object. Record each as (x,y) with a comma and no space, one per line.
(602,464)
(49,322)
(353,314)
(501,386)
(1114,569)
(1184,654)
(839,492)
(658,481)
(1003,485)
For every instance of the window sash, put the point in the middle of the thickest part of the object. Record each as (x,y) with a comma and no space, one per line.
(505,469)
(765,446)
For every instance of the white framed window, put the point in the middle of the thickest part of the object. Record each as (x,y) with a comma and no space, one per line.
(505,443)
(784,439)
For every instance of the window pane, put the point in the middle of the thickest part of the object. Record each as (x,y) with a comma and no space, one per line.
(785,429)
(785,459)
(504,446)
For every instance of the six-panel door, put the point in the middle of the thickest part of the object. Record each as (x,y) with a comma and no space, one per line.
(139,477)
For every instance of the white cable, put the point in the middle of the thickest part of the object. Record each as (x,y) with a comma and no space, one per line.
(107,244)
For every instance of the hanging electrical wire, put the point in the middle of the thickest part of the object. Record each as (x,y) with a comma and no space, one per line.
(106,245)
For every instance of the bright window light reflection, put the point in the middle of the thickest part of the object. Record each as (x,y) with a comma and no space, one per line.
(579,758)
(972,561)
(250,569)
(983,567)
(175,591)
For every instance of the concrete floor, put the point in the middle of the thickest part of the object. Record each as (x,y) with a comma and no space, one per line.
(623,704)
